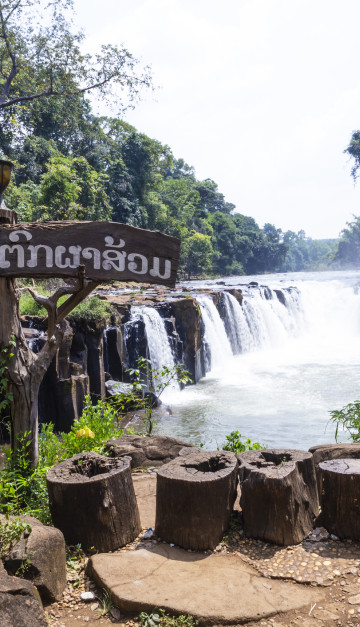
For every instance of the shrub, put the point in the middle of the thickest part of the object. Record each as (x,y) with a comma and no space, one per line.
(23,488)
(97,424)
(235,444)
(348,418)
(91,309)
(10,533)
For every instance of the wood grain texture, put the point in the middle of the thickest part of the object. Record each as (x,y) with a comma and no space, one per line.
(339,481)
(195,495)
(92,501)
(108,250)
(279,497)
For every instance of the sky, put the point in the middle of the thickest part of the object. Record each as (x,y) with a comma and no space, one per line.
(262,96)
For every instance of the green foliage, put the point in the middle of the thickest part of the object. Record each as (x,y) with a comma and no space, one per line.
(156,381)
(10,533)
(29,307)
(6,396)
(197,254)
(101,419)
(92,309)
(74,165)
(106,603)
(348,419)
(235,444)
(160,617)
(23,488)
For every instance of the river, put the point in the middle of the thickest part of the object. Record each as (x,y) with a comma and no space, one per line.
(278,393)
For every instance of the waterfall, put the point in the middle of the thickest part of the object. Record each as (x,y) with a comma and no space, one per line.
(158,345)
(215,341)
(266,318)
(238,329)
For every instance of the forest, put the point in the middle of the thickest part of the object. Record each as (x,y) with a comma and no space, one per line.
(71,164)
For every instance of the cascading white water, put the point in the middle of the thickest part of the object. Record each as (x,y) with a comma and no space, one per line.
(302,359)
(217,346)
(240,337)
(157,339)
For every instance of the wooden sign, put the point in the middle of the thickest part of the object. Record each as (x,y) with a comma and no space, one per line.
(108,250)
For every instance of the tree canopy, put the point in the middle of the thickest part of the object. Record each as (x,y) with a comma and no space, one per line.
(73,164)
(41,58)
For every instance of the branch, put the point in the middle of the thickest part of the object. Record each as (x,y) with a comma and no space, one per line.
(14,68)
(52,92)
(78,290)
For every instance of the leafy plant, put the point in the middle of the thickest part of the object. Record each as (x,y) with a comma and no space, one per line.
(101,420)
(156,381)
(10,533)
(235,444)
(160,617)
(348,418)
(22,487)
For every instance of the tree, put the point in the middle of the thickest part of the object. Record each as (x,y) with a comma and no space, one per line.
(353,150)
(197,254)
(72,190)
(41,62)
(348,249)
(41,58)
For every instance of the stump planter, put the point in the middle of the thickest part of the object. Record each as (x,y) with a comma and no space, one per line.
(279,497)
(339,481)
(92,501)
(195,495)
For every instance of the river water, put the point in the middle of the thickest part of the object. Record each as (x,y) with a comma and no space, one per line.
(279,392)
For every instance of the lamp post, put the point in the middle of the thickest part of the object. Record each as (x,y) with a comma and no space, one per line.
(5,174)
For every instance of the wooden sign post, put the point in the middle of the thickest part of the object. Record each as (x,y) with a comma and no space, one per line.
(88,252)
(107,250)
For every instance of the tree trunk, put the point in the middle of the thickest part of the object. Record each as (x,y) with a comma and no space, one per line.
(340,497)
(195,494)
(93,502)
(279,497)
(26,370)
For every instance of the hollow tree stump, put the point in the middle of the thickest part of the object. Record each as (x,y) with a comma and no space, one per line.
(279,497)
(195,495)
(339,481)
(92,501)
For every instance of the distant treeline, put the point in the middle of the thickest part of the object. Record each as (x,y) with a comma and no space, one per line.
(73,165)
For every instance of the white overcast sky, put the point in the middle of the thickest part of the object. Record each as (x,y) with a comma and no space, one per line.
(261,96)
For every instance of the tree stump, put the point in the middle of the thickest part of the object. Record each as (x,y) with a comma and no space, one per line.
(279,497)
(92,501)
(324,452)
(339,481)
(195,494)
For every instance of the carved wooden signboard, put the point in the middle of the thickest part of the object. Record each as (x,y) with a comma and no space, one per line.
(108,250)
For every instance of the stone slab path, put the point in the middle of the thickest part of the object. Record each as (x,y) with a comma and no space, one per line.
(214,588)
